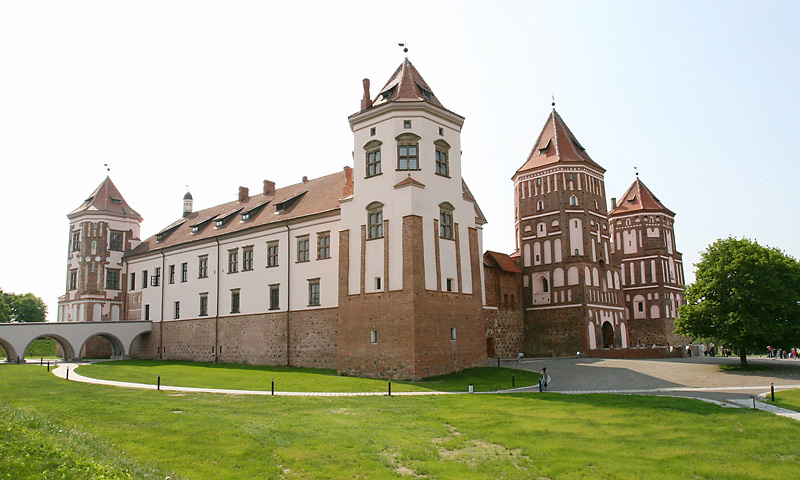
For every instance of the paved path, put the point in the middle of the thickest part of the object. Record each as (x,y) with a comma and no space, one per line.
(695,377)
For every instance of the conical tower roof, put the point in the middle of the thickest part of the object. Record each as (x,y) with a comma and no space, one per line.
(556,144)
(406,85)
(639,198)
(106,198)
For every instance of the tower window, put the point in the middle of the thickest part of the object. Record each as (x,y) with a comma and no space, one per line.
(372,131)
(445,223)
(540,205)
(452,333)
(115,241)
(313,292)
(407,157)
(375,220)
(573,201)
(406,123)
(112,279)
(373,337)
(442,165)
(374,163)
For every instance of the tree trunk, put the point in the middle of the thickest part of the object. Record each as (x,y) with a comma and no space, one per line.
(742,358)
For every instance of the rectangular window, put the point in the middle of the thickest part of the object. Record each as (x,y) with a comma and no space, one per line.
(324,245)
(112,279)
(373,163)
(377,283)
(115,241)
(144,278)
(442,165)
(184,272)
(171,274)
(272,254)
(373,337)
(407,157)
(133,280)
(147,312)
(302,249)
(76,241)
(449,284)
(203,304)
(313,292)
(247,258)
(156,279)
(202,267)
(233,261)
(274,297)
(406,123)
(73,279)
(452,333)
(446,224)
(235,301)
(375,226)
(177,310)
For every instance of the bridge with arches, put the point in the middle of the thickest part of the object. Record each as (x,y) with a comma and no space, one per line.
(16,337)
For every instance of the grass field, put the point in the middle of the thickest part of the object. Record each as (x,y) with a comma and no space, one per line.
(247,377)
(149,434)
(787,399)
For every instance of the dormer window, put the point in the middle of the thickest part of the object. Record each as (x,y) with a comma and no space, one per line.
(195,228)
(246,216)
(427,95)
(544,147)
(116,200)
(219,223)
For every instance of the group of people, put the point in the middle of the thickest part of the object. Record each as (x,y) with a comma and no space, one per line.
(781,353)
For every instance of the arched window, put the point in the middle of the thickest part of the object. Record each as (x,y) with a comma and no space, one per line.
(442,157)
(375,220)
(407,151)
(573,201)
(545,285)
(372,150)
(446,220)
(540,205)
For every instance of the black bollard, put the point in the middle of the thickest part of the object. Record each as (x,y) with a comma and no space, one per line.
(772,390)
(159,382)
(390,387)
(67,377)
(498,361)
(273,386)
(41,361)
(48,366)
(513,380)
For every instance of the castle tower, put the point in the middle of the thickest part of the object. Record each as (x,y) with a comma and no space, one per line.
(100,231)
(571,290)
(643,243)
(410,288)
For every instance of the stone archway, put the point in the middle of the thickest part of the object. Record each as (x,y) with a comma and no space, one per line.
(102,345)
(63,347)
(608,335)
(8,351)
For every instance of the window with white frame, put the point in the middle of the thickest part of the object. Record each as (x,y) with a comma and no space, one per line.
(372,150)
(408,151)
(374,220)
(272,254)
(302,249)
(446,220)
(313,292)
(323,245)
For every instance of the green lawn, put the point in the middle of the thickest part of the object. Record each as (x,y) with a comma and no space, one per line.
(787,399)
(248,377)
(511,436)
(41,348)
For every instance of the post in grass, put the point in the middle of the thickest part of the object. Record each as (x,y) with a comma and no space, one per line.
(159,382)
(390,387)
(273,386)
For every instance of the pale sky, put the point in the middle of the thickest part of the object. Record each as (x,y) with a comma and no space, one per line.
(701,96)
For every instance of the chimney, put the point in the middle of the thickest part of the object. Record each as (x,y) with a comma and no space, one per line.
(243,194)
(268,187)
(305,179)
(613,203)
(348,182)
(366,102)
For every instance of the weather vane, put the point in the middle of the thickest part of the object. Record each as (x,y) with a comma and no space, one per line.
(405,48)
(554,100)
(636,171)
(108,169)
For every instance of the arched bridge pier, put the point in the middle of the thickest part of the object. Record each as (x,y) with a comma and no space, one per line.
(16,337)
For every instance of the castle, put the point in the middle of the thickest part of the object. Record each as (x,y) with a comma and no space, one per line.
(378,270)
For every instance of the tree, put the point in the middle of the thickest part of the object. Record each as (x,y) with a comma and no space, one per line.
(5,308)
(22,308)
(745,295)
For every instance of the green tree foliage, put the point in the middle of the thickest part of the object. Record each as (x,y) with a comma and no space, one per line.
(745,295)
(22,308)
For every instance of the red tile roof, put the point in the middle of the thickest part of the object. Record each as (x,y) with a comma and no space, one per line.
(555,144)
(302,199)
(501,261)
(639,198)
(406,85)
(106,198)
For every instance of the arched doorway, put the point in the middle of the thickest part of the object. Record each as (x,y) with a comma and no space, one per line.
(43,347)
(490,351)
(608,335)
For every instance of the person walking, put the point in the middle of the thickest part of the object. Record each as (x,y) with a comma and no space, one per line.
(544,381)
